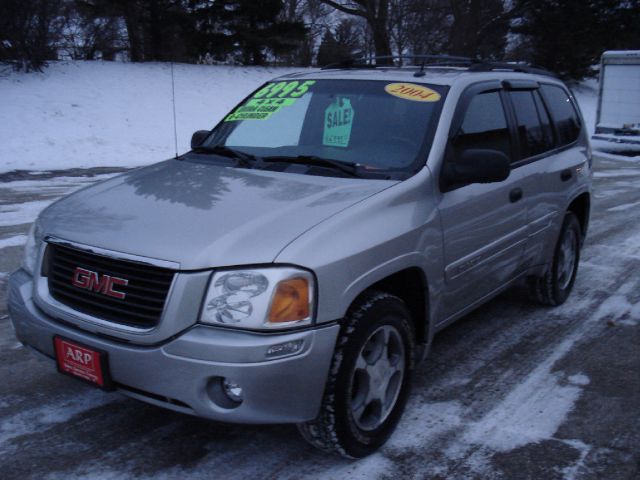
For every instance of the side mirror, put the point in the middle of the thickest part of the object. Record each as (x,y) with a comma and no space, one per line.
(479,166)
(199,137)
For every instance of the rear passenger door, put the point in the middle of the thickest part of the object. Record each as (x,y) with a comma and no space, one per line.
(546,159)
(484,225)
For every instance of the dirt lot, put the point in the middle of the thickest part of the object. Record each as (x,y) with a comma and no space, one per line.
(511,391)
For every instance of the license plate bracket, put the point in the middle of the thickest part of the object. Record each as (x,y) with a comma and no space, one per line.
(82,362)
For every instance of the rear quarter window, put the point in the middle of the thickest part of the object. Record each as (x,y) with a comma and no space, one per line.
(563,113)
(534,131)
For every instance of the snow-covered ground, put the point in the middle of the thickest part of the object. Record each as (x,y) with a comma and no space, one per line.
(511,391)
(586,94)
(87,114)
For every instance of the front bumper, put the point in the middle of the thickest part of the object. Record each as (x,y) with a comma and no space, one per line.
(184,373)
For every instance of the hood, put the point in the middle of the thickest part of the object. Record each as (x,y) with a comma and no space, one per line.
(202,215)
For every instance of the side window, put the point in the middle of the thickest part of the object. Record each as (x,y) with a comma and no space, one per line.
(534,131)
(543,114)
(563,113)
(484,126)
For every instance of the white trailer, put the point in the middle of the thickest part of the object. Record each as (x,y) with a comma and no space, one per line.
(618,115)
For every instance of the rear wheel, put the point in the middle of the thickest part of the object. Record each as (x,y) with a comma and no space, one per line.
(556,284)
(369,379)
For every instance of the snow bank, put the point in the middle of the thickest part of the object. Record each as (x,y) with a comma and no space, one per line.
(21,213)
(586,93)
(87,114)
(15,241)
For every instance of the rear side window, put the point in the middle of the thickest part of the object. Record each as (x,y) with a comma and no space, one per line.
(534,130)
(563,113)
(484,126)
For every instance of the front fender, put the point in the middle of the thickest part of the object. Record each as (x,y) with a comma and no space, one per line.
(395,229)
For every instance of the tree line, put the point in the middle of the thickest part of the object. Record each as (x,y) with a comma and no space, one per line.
(566,36)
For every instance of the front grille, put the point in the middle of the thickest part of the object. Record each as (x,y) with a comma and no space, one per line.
(145,292)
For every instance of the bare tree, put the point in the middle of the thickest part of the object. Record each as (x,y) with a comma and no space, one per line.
(90,35)
(29,31)
(376,13)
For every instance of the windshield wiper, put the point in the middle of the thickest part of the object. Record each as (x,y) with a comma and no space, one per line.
(244,159)
(351,169)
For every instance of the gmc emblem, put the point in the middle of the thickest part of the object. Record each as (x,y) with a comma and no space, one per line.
(88,280)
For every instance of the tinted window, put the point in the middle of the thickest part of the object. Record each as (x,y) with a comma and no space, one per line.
(543,114)
(534,134)
(563,114)
(484,125)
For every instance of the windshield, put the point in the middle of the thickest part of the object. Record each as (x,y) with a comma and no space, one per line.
(374,124)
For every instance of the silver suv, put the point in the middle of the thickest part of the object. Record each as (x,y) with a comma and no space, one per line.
(294,266)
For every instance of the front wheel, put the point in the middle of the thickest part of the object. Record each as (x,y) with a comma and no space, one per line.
(556,284)
(369,380)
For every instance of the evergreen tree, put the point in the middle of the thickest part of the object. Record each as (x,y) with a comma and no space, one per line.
(479,28)
(569,36)
(328,50)
(343,44)
(246,29)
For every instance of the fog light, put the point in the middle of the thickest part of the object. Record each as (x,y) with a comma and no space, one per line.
(286,348)
(232,390)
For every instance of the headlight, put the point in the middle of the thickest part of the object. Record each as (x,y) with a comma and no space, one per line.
(265,298)
(31,249)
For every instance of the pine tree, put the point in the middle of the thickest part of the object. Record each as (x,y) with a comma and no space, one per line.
(569,36)
(246,29)
(479,28)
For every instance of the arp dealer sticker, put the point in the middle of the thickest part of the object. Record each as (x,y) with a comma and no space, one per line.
(411,91)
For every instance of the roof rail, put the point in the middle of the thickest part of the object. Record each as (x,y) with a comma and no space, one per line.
(511,66)
(364,62)
(422,61)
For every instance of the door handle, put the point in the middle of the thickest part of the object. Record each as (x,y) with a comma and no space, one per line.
(566,175)
(515,195)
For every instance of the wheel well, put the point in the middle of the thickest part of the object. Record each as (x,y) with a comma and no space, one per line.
(581,206)
(411,286)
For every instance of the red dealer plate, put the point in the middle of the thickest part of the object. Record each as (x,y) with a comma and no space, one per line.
(82,362)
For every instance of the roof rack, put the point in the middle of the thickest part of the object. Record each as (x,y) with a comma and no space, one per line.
(373,62)
(423,61)
(510,66)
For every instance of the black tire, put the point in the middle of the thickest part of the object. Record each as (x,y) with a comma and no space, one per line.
(335,429)
(553,288)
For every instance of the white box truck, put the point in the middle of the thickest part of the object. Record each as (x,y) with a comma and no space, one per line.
(618,115)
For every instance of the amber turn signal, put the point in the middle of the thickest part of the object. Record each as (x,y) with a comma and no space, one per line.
(290,302)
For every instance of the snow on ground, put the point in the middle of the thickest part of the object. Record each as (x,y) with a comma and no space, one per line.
(15,212)
(14,241)
(84,114)
(586,93)
(20,213)
(54,412)
(470,403)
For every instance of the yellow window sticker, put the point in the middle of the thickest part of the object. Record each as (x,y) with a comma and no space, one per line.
(411,91)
